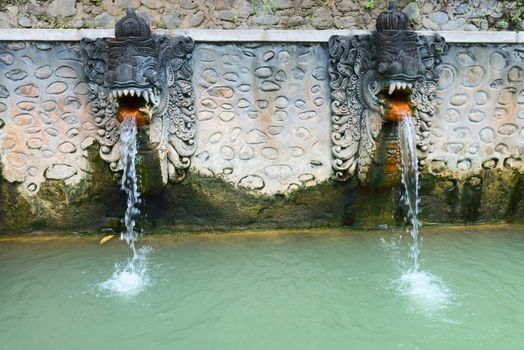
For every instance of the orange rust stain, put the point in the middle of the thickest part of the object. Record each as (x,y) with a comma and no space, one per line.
(129,112)
(398,110)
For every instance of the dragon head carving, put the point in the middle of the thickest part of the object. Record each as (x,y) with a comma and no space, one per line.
(368,73)
(149,77)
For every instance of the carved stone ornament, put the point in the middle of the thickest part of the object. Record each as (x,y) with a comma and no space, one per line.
(153,73)
(365,70)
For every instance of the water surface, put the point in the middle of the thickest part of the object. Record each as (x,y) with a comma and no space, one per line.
(313,290)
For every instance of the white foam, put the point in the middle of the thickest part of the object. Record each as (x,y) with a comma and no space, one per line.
(130,278)
(425,291)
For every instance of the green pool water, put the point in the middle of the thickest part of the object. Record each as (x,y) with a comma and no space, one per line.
(307,290)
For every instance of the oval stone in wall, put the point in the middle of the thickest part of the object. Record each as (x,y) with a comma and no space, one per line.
(251,182)
(67,147)
(466,58)
(205,55)
(43,72)
(4,93)
(473,76)
(459,100)
(263,72)
(487,135)
(23,119)
(246,153)
(60,172)
(66,72)
(7,58)
(26,105)
(28,90)
(221,91)
(507,95)
(447,76)
(16,74)
(498,61)
(34,143)
(507,129)
(476,116)
(56,88)
(464,164)
(515,74)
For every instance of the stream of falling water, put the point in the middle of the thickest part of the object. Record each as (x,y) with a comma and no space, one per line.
(129,278)
(426,290)
(407,139)
(129,184)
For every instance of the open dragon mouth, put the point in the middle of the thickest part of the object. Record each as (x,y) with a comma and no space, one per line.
(135,103)
(397,104)
(396,99)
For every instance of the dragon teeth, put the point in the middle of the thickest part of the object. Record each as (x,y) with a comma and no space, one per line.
(397,85)
(132,92)
(145,96)
(391,87)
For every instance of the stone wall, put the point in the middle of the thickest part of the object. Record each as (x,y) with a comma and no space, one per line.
(263,143)
(267,14)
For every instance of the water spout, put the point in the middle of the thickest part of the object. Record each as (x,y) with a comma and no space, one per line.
(410,180)
(425,290)
(129,184)
(129,278)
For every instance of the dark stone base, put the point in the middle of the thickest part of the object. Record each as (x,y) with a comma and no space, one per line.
(205,204)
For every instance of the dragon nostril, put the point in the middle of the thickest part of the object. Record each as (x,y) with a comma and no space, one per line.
(382,67)
(395,68)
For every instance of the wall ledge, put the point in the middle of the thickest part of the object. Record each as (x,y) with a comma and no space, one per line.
(274,36)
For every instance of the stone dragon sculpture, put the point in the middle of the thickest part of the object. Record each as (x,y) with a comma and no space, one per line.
(366,70)
(152,74)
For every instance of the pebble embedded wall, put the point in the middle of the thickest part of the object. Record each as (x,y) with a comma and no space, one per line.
(262,115)
(241,14)
(263,128)
(480,122)
(45,121)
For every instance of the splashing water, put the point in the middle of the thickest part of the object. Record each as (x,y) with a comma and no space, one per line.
(424,289)
(129,278)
